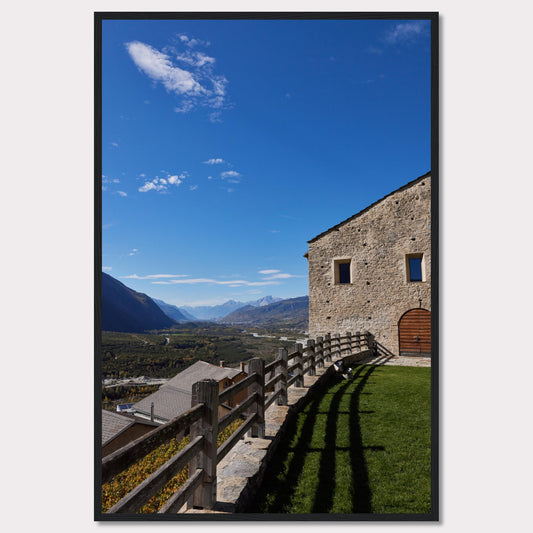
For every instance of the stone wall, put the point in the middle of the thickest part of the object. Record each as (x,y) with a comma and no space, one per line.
(376,241)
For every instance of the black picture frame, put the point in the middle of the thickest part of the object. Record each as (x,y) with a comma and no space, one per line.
(433,17)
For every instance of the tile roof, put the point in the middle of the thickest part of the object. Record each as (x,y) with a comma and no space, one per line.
(174,397)
(113,424)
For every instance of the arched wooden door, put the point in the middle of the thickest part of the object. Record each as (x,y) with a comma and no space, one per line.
(414,332)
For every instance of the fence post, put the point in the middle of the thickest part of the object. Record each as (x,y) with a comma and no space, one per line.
(319,352)
(206,392)
(257,366)
(300,370)
(282,383)
(311,355)
(366,336)
(358,341)
(327,348)
(337,349)
(370,341)
(348,343)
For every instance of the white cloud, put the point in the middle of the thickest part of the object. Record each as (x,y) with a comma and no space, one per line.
(194,81)
(232,283)
(273,274)
(193,187)
(185,281)
(122,193)
(135,251)
(114,144)
(406,31)
(215,116)
(209,177)
(106,181)
(214,161)
(159,67)
(186,40)
(281,275)
(154,276)
(230,174)
(107,268)
(196,59)
(162,184)
(177,179)
(152,186)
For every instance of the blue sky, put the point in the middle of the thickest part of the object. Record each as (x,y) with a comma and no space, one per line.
(227,145)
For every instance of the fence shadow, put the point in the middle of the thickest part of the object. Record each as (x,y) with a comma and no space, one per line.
(283,474)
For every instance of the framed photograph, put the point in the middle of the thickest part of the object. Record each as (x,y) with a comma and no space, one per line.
(266,266)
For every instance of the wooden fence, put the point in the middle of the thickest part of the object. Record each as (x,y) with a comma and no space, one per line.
(265,384)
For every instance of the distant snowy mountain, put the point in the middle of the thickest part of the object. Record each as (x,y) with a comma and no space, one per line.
(215,312)
(267,300)
(293,312)
(212,312)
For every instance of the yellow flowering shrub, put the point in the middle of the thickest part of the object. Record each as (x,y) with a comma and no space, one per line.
(126,481)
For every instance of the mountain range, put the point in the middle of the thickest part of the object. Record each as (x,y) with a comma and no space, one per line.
(126,310)
(214,312)
(292,312)
(177,314)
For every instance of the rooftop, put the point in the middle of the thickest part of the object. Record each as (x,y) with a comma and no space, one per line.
(403,187)
(174,397)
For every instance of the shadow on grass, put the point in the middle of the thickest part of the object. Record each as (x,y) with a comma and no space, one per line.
(361,495)
(282,477)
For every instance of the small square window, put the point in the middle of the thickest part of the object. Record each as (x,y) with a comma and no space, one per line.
(344,272)
(342,269)
(415,267)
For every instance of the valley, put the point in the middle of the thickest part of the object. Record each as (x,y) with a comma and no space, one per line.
(132,355)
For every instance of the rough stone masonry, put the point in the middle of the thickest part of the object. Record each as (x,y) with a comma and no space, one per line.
(360,274)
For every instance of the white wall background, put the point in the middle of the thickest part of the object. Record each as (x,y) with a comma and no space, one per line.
(47,268)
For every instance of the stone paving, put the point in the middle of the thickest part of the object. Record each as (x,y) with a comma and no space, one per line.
(396,360)
(242,470)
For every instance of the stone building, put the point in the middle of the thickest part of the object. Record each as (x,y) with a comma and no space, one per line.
(373,272)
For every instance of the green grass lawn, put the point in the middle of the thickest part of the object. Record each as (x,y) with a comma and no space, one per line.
(363,446)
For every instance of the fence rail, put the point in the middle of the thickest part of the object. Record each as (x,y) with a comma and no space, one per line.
(203,423)
(128,455)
